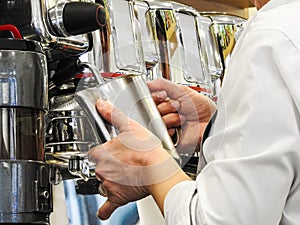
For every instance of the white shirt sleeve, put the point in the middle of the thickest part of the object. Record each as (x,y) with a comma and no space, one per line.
(253,154)
(180,195)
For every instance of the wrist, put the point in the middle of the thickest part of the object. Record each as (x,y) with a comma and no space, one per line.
(160,190)
(161,173)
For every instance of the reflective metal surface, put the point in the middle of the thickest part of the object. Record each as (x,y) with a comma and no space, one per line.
(56,17)
(134,99)
(164,21)
(195,63)
(121,39)
(150,47)
(226,29)
(31,17)
(22,108)
(175,31)
(25,187)
(25,192)
(22,135)
(18,71)
(68,133)
(209,46)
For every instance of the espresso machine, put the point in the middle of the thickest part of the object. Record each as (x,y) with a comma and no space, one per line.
(41,42)
(50,49)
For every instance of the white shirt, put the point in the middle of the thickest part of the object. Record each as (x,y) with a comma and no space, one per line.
(253,171)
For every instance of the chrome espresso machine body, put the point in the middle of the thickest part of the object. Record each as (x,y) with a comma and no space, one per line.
(40,45)
(24,187)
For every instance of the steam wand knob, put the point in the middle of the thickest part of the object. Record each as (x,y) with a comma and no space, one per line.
(74,18)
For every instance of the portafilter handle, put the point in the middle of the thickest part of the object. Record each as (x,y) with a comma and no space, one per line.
(80,166)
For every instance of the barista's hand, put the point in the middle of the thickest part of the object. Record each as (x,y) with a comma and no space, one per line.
(184,109)
(131,165)
(168,109)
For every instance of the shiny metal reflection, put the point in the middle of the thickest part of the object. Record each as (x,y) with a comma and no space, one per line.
(226,29)
(121,44)
(131,95)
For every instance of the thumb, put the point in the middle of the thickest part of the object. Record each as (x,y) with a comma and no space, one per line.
(107,209)
(112,114)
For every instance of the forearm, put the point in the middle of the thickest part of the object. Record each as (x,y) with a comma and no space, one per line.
(166,175)
(160,190)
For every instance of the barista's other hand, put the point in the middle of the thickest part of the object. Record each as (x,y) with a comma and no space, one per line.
(168,109)
(184,109)
(129,164)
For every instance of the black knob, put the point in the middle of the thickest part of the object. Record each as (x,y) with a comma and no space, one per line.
(83,17)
